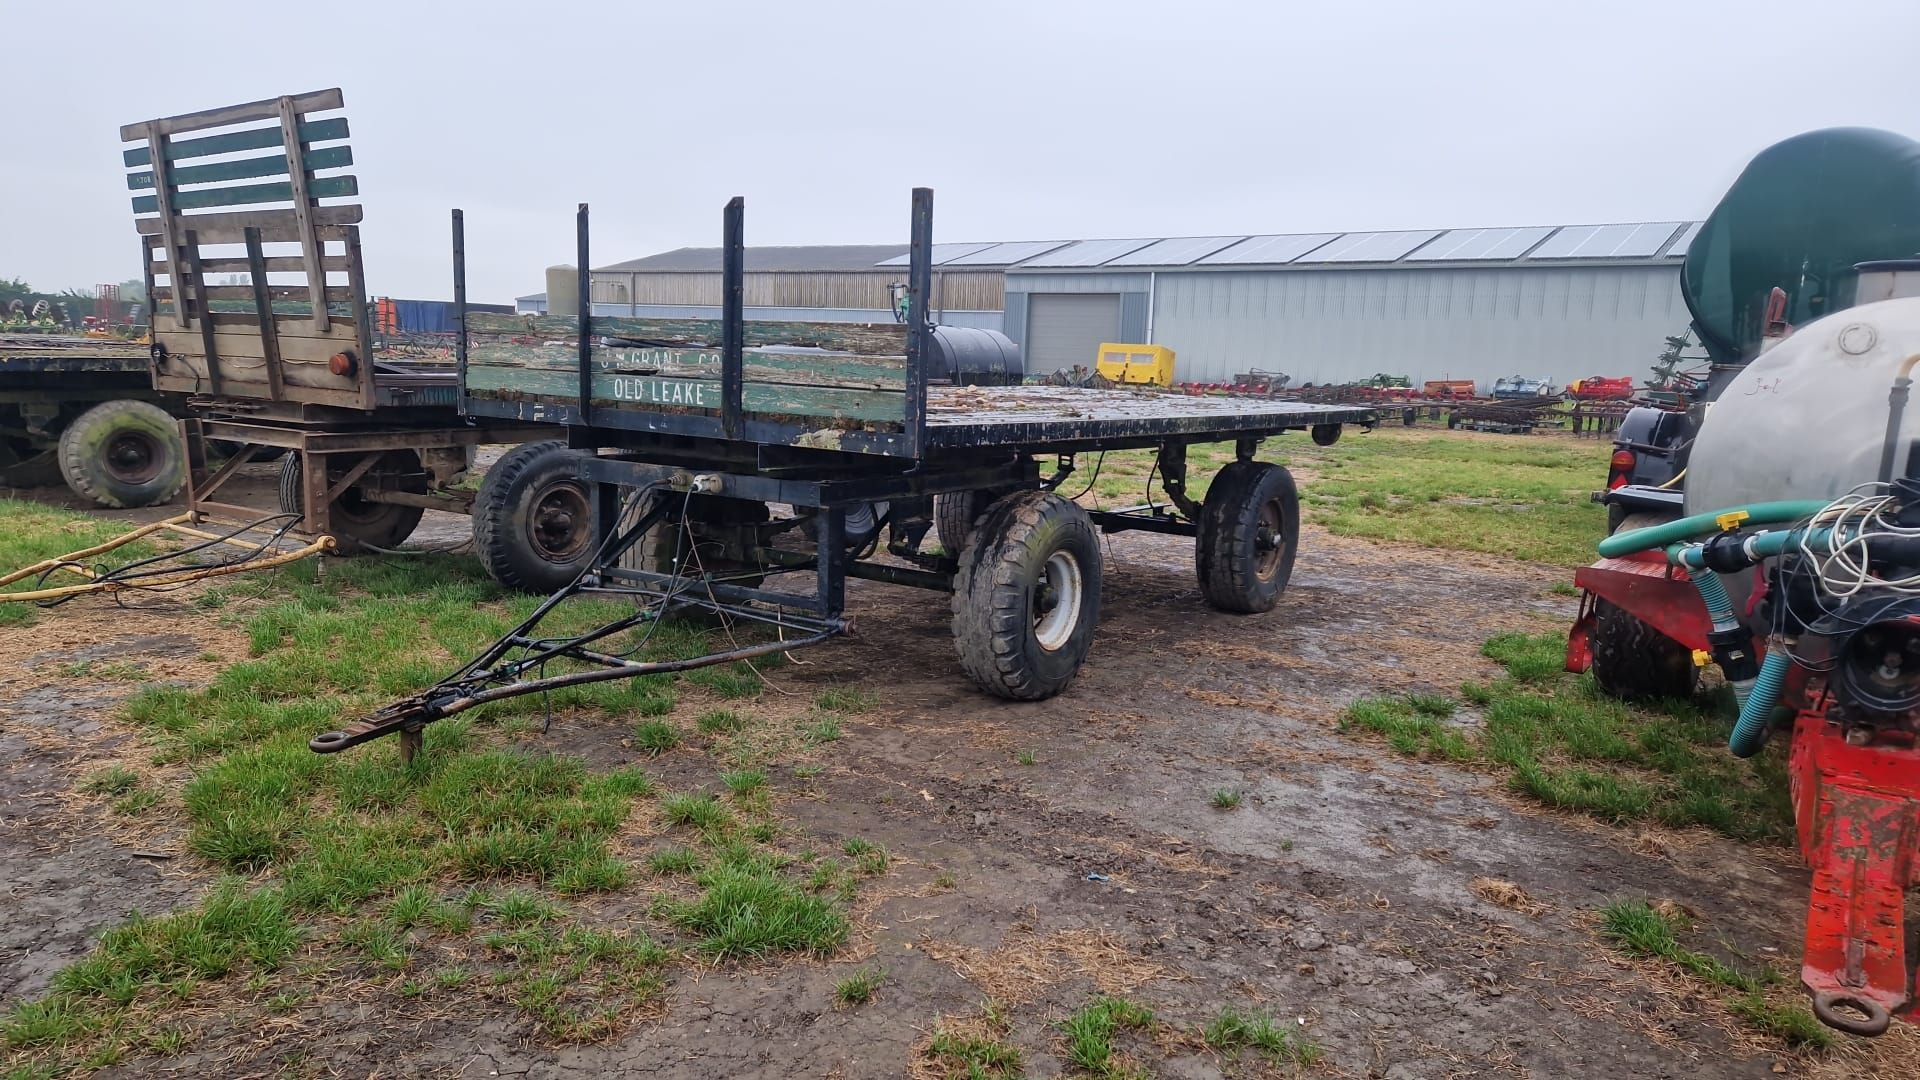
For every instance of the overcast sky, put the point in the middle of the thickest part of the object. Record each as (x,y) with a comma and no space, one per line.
(1032,120)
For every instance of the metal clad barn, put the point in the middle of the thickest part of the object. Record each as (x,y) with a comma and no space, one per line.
(840,283)
(1554,302)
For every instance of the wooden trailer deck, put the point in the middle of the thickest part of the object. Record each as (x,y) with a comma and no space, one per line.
(1042,417)
(35,354)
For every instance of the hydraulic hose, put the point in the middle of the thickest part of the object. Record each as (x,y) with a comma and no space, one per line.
(1687,528)
(1719,604)
(1750,731)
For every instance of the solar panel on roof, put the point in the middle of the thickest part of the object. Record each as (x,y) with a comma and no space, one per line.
(1178,251)
(1283,248)
(1637,241)
(1008,254)
(1369,247)
(1461,245)
(942,253)
(1678,249)
(1089,252)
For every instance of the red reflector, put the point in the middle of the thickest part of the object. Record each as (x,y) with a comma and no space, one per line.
(1623,459)
(1618,480)
(344,365)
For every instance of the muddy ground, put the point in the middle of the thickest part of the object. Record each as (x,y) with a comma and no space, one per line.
(1340,893)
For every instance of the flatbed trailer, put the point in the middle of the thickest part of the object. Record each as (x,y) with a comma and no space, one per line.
(698,462)
(683,434)
(83,411)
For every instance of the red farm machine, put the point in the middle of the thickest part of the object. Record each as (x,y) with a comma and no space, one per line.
(1770,525)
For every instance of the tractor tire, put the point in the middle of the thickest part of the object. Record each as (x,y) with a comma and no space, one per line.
(1631,660)
(1634,662)
(123,454)
(1027,596)
(359,524)
(534,525)
(1249,534)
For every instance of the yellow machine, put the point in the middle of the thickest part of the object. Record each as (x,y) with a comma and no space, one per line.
(1136,365)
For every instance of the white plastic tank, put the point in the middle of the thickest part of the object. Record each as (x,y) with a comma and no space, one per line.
(1807,418)
(563,290)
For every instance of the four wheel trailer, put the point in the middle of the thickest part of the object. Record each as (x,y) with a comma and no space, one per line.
(689,464)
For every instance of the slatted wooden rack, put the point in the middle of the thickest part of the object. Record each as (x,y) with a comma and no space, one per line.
(297,331)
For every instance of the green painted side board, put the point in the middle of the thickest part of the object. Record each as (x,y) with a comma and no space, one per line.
(331,157)
(879,342)
(828,406)
(760,365)
(332,187)
(311,131)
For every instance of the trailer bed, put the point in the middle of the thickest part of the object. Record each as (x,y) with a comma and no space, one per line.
(34,354)
(1044,416)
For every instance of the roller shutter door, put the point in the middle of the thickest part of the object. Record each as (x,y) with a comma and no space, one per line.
(1064,329)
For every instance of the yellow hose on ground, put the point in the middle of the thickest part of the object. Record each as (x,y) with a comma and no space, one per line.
(85,553)
(179,577)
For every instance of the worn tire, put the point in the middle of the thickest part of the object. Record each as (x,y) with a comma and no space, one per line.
(358,525)
(1249,535)
(123,454)
(1631,660)
(534,524)
(953,516)
(1027,596)
(1634,662)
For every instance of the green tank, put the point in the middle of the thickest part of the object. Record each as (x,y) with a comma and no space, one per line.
(1799,217)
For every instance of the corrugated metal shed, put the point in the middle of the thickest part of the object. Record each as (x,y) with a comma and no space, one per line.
(1557,322)
(1559,302)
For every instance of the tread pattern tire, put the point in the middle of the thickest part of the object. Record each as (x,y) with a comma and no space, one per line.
(1634,662)
(359,526)
(1227,551)
(504,519)
(953,516)
(999,586)
(1631,660)
(123,454)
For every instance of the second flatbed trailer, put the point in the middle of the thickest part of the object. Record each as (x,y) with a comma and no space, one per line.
(683,437)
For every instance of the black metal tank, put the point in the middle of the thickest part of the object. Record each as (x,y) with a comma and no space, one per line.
(969,356)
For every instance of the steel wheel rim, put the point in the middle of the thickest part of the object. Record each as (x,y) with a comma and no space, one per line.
(132,457)
(1269,540)
(557,524)
(1057,601)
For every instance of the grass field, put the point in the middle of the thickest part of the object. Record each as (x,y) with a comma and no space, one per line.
(459,873)
(482,871)
(1557,739)
(1523,496)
